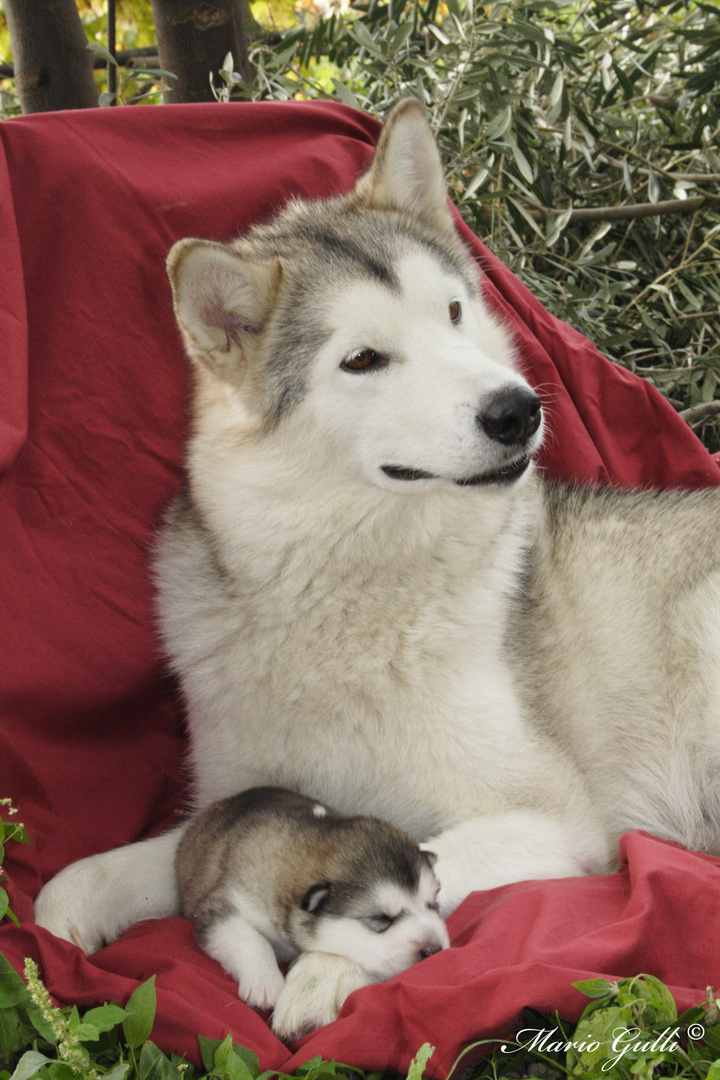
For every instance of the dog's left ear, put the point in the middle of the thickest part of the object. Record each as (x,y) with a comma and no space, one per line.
(430,858)
(406,172)
(314,899)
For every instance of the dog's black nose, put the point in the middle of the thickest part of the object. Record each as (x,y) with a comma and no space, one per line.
(430,950)
(511,416)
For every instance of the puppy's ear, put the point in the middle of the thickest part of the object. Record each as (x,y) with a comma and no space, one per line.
(222,301)
(406,172)
(315,898)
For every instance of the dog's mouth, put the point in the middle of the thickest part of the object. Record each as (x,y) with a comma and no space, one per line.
(397,472)
(505,475)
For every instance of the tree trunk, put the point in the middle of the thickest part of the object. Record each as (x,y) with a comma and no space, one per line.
(193,37)
(53,67)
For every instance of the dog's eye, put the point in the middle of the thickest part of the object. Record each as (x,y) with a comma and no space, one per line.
(455,311)
(364,360)
(433,905)
(380,923)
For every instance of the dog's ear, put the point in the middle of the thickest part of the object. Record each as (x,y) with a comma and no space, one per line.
(406,172)
(430,858)
(315,898)
(222,302)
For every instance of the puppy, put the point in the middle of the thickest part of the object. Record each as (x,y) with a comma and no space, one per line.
(268,874)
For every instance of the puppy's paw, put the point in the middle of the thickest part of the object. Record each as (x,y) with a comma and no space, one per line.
(315,990)
(261,988)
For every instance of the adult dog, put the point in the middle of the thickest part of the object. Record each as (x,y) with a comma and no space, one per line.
(370,597)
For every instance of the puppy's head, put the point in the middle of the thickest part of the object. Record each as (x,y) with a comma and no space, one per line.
(378,906)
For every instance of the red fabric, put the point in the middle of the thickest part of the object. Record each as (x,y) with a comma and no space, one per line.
(92,417)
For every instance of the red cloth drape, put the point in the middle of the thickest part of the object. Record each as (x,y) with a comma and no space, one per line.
(92,418)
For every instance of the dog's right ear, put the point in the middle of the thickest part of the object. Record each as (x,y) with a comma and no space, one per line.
(314,899)
(222,301)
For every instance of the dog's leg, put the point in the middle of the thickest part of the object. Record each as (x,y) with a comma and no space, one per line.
(248,957)
(91,901)
(517,845)
(316,987)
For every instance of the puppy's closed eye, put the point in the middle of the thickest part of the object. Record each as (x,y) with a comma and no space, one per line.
(381,922)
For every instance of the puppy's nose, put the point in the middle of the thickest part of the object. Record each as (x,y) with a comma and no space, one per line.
(430,949)
(511,416)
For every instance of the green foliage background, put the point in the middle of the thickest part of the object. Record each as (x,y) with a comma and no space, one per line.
(542,109)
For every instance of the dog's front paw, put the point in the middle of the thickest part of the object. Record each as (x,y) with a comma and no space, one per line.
(262,988)
(315,990)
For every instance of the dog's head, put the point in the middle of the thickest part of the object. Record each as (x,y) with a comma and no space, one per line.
(378,905)
(354,330)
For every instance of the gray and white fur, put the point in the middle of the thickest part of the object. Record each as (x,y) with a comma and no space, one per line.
(268,874)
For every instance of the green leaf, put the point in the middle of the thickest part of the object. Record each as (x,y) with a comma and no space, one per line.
(711,1038)
(30,1065)
(231,1065)
(364,38)
(499,124)
(86,1033)
(10,978)
(478,179)
(41,1025)
(345,95)
(140,1014)
(8,1033)
(11,993)
(653,186)
(556,226)
(519,211)
(160,73)
(119,1072)
(418,1063)
(100,50)
(249,1057)
(154,1065)
(524,167)
(18,832)
(595,988)
(401,36)
(104,1017)
(58,1070)
(209,1053)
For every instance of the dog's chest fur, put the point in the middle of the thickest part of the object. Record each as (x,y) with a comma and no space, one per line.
(322,658)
